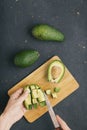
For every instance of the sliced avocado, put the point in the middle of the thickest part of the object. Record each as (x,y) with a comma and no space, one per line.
(41,97)
(26,105)
(56,89)
(43,103)
(30,107)
(32,86)
(35,105)
(54,95)
(48,91)
(35,102)
(47,32)
(37,87)
(27,101)
(56,71)
(35,97)
(27,88)
(34,93)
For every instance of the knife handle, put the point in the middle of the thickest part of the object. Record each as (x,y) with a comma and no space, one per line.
(59,128)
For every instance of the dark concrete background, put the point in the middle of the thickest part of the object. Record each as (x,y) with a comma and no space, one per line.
(70,16)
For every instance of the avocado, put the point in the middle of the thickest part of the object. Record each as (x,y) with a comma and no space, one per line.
(54,95)
(32,86)
(34,101)
(35,105)
(35,97)
(41,97)
(26,88)
(48,91)
(47,32)
(27,102)
(56,71)
(56,89)
(34,93)
(43,103)
(26,58)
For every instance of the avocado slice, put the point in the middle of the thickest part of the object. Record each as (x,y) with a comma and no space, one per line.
(35,93)
(43,103)
(26,88)
(35,105)
(54,95)
(47,33)
(35,102)
(32,86)
(56,71)
(41,97)
(56,89)
(27,102)
(48,91)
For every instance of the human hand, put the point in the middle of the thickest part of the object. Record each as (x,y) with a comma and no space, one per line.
(62,123)
(14,110)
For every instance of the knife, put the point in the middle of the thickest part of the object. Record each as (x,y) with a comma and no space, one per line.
(52,114)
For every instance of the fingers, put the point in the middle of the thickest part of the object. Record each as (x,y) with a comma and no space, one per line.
(16,94)
(24,109)
(23,96)
(62,123)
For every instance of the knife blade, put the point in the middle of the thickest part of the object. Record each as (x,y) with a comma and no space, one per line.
(52,114)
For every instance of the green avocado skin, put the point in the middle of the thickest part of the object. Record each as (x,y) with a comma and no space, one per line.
(47,32)
(26,58)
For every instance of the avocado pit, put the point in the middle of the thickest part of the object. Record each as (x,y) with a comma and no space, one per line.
(55,72)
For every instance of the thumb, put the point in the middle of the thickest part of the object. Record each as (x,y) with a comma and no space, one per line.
(23,96)
(62,123)
(16,94)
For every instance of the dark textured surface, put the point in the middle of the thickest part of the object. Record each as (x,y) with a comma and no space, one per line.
(70,16)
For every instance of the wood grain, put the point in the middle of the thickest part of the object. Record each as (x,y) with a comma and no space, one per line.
(68,85)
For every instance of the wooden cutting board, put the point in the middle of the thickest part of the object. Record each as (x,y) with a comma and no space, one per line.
(68,85)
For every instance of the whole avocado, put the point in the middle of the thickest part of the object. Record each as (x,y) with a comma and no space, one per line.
(47,33)
(26,58)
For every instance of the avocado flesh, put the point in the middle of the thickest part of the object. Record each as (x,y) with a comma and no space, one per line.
(27,101)
(35,97)
(35,93)
(41,97)
(59,64)
(47,32)
(26,88)
(54,95)
(48,91)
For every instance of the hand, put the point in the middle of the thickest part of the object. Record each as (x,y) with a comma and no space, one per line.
(14,110)
(62,123)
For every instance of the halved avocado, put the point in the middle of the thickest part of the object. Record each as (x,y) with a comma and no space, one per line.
(56,71)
